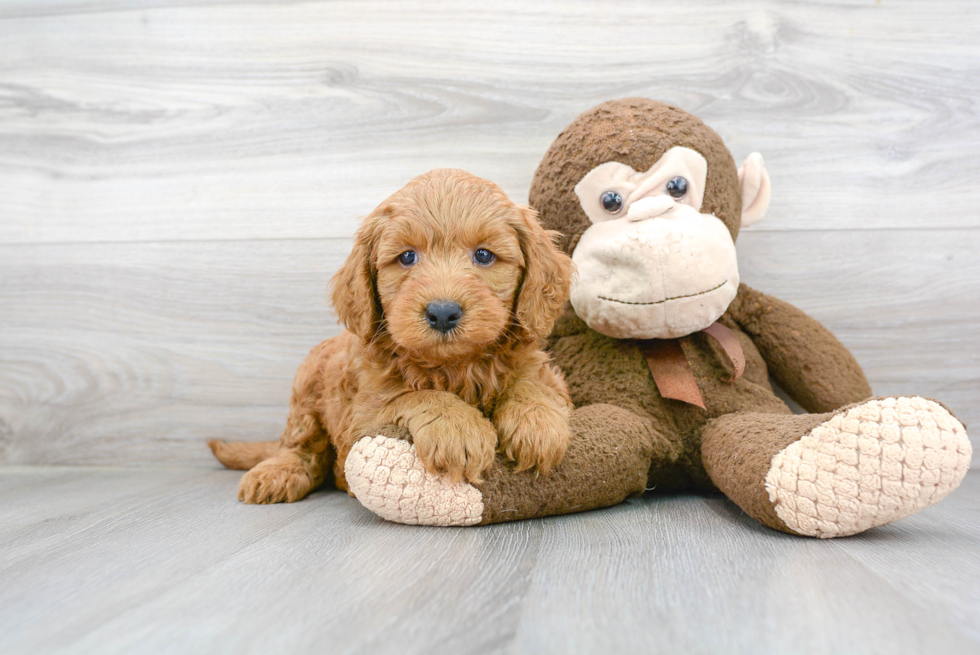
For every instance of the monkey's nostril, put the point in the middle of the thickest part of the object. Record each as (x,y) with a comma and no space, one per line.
(443,315)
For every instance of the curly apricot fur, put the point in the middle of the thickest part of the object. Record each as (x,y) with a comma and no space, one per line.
(483,387)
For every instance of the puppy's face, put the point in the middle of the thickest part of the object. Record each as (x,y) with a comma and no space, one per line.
(452,264)
(448,274)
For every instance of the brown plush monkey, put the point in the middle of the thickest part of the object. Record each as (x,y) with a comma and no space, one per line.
(668,357)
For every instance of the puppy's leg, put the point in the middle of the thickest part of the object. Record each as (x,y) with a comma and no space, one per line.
(287,477)
(303,459)
(532,420)
(299,467)
(451,436)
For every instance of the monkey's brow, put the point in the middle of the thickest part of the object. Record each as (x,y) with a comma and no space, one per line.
(660,302)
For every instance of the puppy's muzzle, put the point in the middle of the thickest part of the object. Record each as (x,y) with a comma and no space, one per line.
(443,315)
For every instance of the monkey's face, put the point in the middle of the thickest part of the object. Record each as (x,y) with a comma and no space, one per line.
(652,266)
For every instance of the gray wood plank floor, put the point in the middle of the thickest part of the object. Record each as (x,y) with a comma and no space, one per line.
(123,560)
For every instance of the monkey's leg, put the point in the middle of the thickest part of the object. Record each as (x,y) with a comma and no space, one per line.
(607,461)
(839,473)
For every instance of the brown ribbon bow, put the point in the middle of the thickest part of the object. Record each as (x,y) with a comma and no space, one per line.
(672,372)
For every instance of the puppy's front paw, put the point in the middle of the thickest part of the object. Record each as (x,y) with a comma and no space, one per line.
(276,480)
(535,436)
(457,445)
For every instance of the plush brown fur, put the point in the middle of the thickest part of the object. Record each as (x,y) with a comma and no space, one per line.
(484,387)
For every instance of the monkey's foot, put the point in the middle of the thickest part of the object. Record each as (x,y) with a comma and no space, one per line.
(869,465)
(388,478)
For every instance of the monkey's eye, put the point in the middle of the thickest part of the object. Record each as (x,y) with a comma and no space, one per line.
(677,187)
(483,257)
(612,202)
(408,258)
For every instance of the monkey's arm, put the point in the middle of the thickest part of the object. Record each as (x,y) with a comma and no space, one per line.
(814,368)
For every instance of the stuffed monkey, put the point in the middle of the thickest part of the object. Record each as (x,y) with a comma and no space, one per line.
(668,359)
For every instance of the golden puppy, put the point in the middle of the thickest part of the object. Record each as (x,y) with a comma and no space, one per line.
(446,297)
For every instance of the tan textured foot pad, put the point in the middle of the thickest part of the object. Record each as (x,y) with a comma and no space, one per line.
(867,466)
(388,478)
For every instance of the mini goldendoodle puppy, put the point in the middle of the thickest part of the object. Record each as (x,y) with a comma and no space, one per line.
(446,296)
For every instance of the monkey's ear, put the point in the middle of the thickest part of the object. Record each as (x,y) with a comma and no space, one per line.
(547,277)
(354,296)
(754,180)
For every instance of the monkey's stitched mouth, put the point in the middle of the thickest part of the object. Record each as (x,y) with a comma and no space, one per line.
(660,302)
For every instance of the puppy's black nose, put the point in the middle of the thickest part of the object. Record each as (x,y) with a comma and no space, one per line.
(443,315)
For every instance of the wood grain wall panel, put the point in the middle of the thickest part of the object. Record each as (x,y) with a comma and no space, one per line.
(123,353)
(131,352)
(145,121)
(179,179)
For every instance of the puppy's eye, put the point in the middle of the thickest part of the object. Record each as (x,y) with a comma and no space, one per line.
(408,258)
(677,187)
(612,202)
(483,256)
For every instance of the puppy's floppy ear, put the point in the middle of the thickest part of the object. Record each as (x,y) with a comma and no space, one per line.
(354,296)
(547,276)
